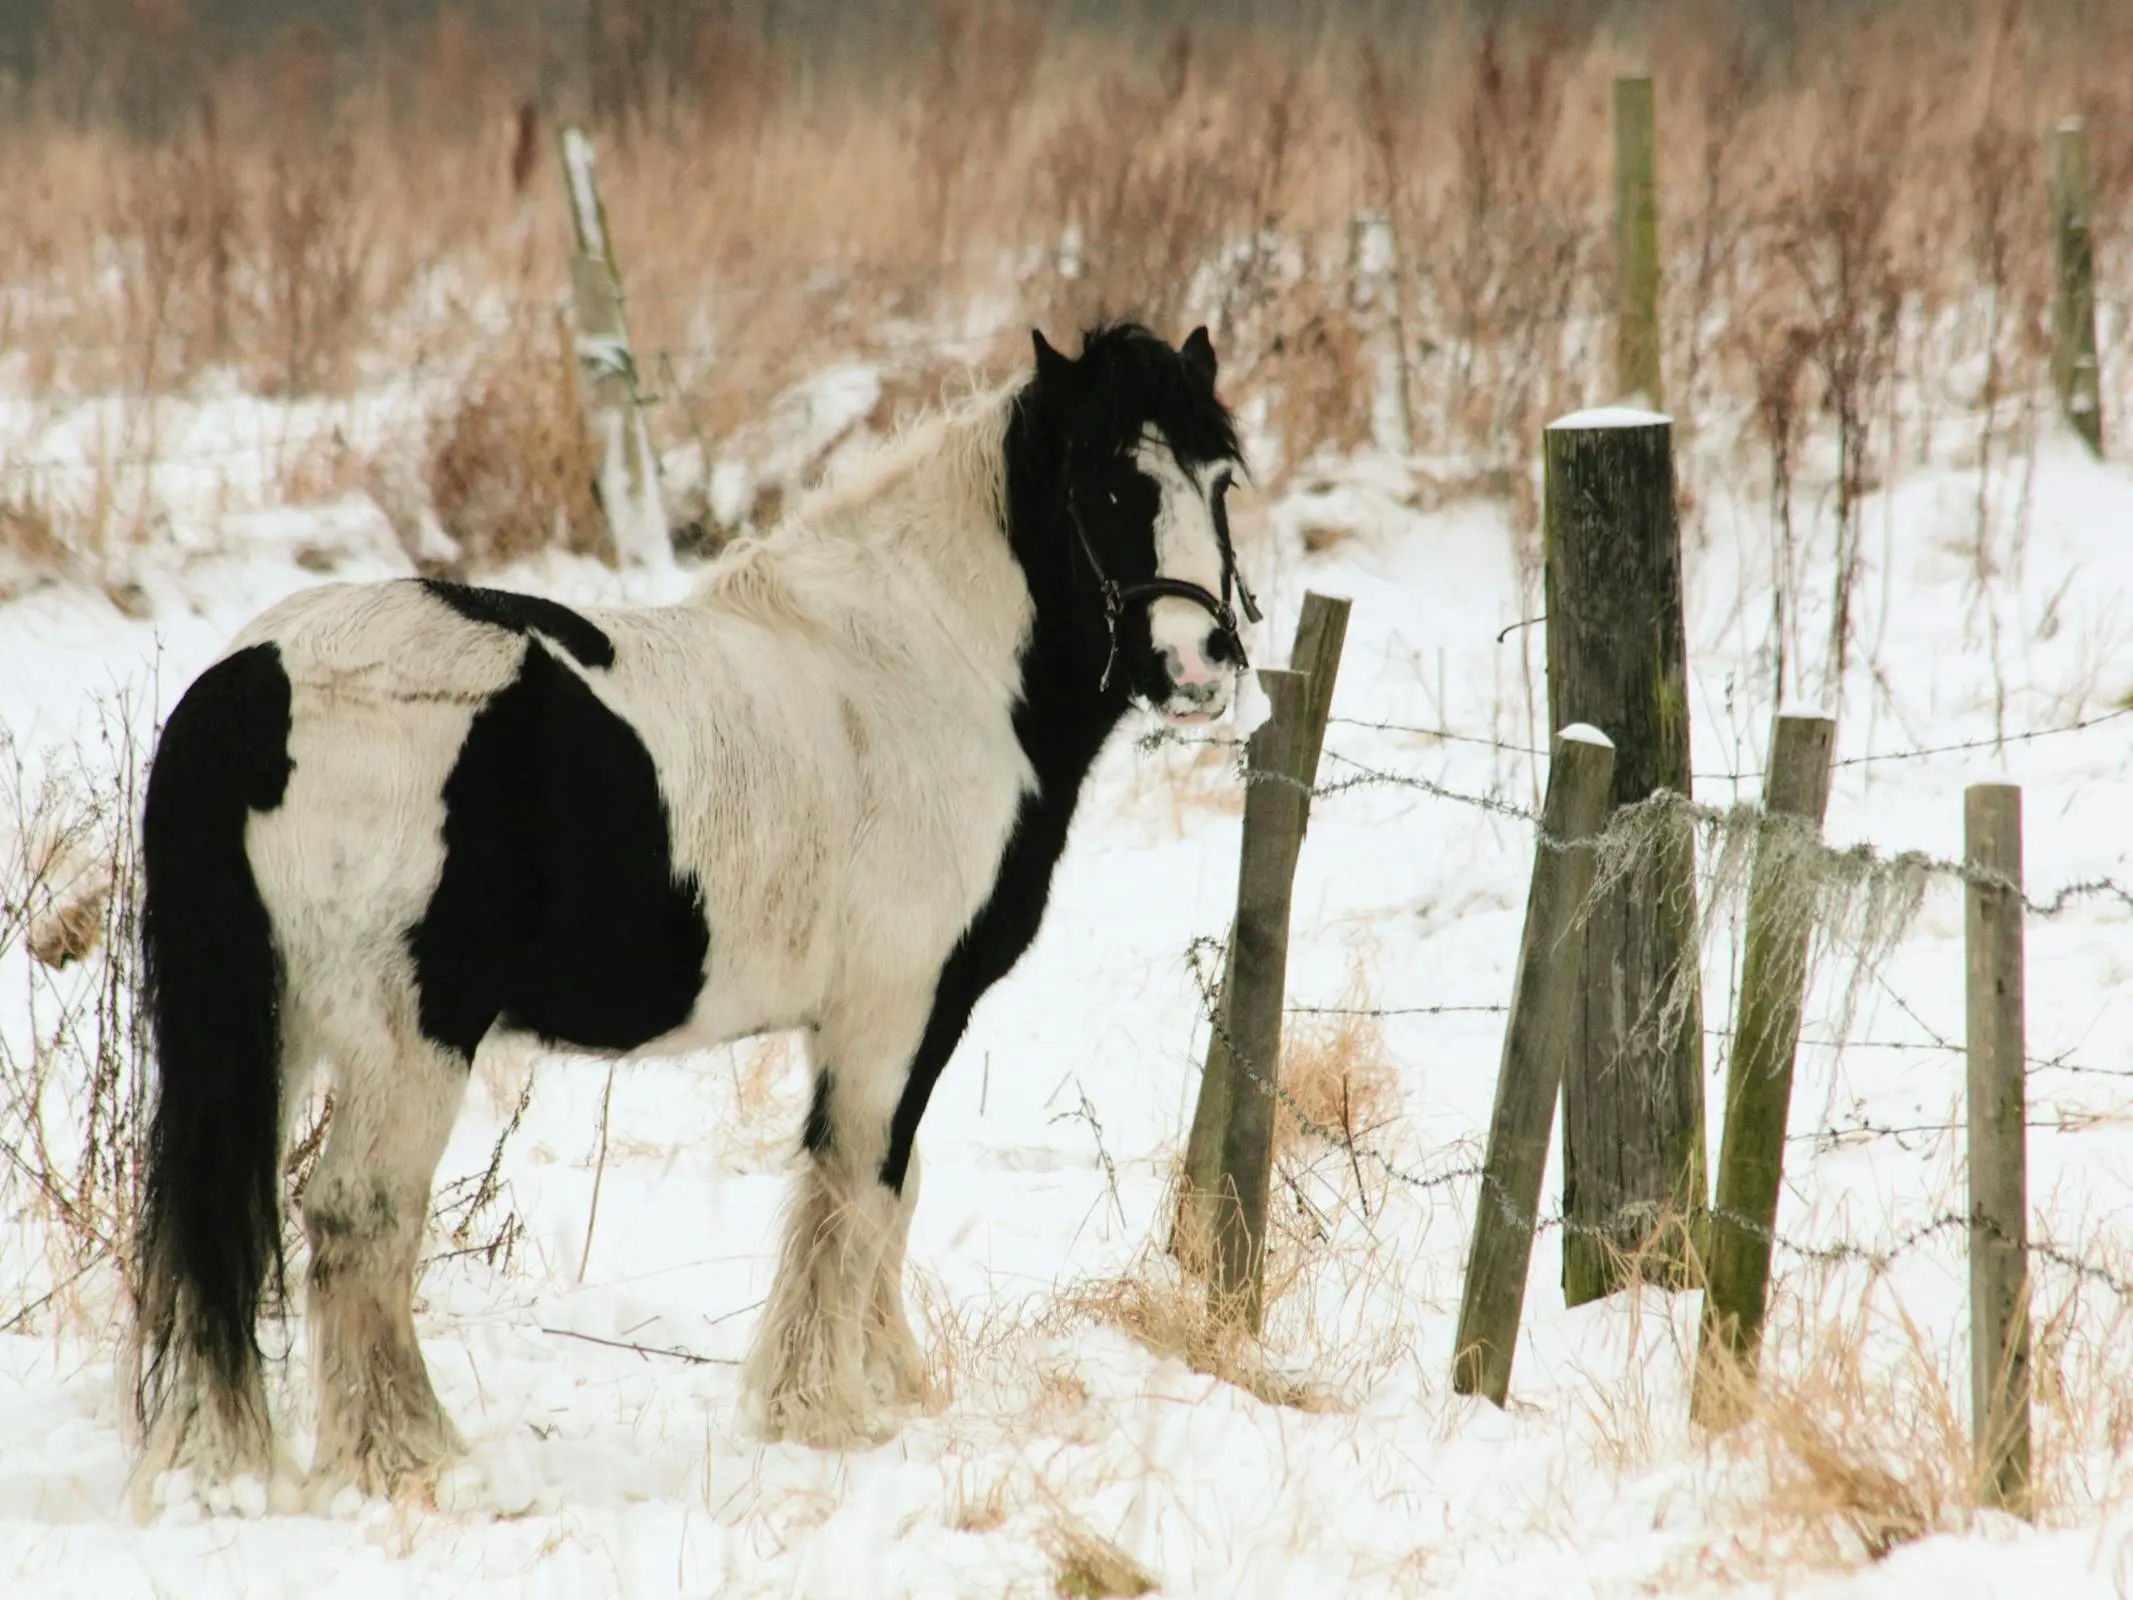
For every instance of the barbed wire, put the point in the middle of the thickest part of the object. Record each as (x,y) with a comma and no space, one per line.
(1395,1011)
(1203,957)
(1938,1047)
(1994,742)
(1630,820)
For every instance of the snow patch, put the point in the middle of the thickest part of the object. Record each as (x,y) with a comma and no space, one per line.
(1600,417)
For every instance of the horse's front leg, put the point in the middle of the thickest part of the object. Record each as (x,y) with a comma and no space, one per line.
(833,1347)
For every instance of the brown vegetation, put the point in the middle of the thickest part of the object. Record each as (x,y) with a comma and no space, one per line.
(511,468)
(315,214)
(1337,1084)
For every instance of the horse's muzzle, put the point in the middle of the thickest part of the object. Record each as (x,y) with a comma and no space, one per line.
(1203,701)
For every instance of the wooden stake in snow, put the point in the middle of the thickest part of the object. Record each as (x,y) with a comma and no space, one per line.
(2074,369)
(614,410)
(1999,1180)
(1275,805)
(1544,1008)
(1633,1143)
(1321,630)
(1759,1083)
(1636,244)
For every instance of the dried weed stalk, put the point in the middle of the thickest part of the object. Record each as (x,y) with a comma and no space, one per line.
(73,1075)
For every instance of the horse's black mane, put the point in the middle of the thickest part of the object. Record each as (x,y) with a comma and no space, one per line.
(1130,377)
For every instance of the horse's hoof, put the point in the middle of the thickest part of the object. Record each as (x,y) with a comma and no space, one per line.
(792,1420)
(177,1495)
(342,1488)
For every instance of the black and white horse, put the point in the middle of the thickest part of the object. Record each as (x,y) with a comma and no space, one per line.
(826,793)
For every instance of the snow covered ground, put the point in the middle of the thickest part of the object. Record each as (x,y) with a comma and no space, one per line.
(601,1469)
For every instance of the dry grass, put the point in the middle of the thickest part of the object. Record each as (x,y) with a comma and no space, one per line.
(30,546)
(1171,1313)
(317,214)
(1337,1077)
(978,1510)
(511,469)
(1854,1437)
(1088,1566)
(73,1086)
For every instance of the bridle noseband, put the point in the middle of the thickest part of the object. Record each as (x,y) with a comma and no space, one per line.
(1117,596)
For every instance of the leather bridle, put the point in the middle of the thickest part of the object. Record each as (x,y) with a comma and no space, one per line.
(1117,596)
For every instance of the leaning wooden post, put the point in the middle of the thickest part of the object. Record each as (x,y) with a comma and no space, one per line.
(1276,802)
(1544,995)
(1321,631)
(1636,244)
(1781,901)
(2074,366)
(1633,1141)
(1999,1184)
(614,410)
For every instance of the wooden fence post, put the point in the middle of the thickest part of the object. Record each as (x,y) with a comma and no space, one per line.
(1636,243)
(1751,1156)
(1321,631)
(1999,1184)
(1544,995)
(614,410)
(1375,291)
(2074,366)
(1633,1141)
(1275,805)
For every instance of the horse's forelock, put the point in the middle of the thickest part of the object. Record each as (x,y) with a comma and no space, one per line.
(1132,380)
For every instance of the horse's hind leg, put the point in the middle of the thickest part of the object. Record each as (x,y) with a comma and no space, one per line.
(380,1426)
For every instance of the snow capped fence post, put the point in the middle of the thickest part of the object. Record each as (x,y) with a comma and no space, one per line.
(1999,1181)
(2074,369)
(1276,801)
(1636,244)
(614,410)
(1321,631)
(1633,1142)
(1751,1156)
(1544,999)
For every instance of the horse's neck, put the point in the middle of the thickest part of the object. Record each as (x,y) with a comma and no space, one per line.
(906,551)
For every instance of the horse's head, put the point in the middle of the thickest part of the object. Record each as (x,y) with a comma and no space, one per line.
(1150,455)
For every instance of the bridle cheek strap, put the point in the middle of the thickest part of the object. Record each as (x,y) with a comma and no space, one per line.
(1118,596)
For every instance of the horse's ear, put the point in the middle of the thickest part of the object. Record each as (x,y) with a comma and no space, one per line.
(1199,353)
(1051,365)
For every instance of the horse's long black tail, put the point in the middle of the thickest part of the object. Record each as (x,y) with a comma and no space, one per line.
(210,1225)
